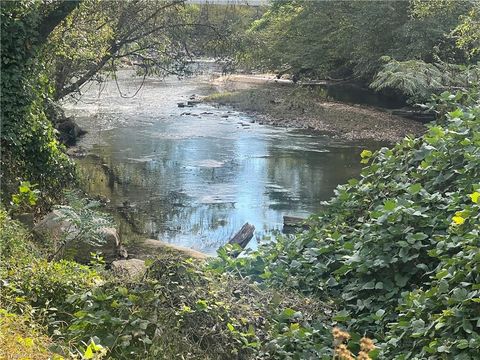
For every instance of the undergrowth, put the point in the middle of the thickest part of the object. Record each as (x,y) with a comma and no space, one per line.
(20,338)
(179,309)
(397,250)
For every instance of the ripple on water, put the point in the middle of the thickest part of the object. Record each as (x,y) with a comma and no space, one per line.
(197,179)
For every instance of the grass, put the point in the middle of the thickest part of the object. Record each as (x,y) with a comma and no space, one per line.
(20,338)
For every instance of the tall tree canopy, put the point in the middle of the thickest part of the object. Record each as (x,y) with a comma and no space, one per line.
(359,39)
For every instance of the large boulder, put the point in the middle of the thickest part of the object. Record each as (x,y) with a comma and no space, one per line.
(55,229)
(131,268)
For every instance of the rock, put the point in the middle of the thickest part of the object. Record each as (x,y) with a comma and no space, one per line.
(77,152)
(111,236)
(69,131)
(132,268)
(25,218)
(53,228)
(122,252)
(150,247)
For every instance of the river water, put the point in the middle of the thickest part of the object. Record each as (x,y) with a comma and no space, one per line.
(193,176)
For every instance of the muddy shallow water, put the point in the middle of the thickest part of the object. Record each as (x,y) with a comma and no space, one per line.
(193,176)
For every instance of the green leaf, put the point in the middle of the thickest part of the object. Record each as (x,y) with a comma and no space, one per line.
(342,315)
(390,205)
(366,154)
(415,189)
(288,313)
(88,353)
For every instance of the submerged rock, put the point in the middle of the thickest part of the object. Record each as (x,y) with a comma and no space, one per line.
(68,130)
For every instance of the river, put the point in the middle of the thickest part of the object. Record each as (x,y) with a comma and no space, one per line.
(193,176)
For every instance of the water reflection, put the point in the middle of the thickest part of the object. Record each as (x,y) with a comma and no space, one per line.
(195,180)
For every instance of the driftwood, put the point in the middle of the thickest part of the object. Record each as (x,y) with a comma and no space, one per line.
(243,236)
(295,222)
(415,115)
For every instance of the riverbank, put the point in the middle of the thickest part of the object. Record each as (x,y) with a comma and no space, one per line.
(281,103)
(174,305)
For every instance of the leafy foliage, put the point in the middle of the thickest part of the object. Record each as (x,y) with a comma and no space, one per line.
(26,197)
(419,80)
(85,223)
(178,309)
(30,151)
(397,250)
(13,238)
(348,39)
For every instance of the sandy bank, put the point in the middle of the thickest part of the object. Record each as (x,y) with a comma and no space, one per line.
(281,103)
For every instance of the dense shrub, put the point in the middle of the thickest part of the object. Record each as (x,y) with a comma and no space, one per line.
(13,238)
(397,250)
(27,279)
(179,309)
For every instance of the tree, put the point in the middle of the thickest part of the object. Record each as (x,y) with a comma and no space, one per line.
(99,33)
(350,39)
(29,147)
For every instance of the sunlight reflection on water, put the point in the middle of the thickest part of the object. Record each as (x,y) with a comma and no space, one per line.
(195,180)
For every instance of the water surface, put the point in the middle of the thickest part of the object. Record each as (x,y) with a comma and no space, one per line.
(193,176)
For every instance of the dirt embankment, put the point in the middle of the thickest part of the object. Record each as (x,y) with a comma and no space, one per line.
(307,107)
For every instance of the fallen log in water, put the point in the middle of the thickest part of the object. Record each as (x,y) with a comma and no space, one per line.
(243,236)
(295,222)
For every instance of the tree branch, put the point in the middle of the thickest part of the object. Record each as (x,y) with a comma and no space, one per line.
(54,18)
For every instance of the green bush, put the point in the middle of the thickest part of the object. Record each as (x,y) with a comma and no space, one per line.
(34,283)
(173,311)
(397,250)
(30,150)
(13,238)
